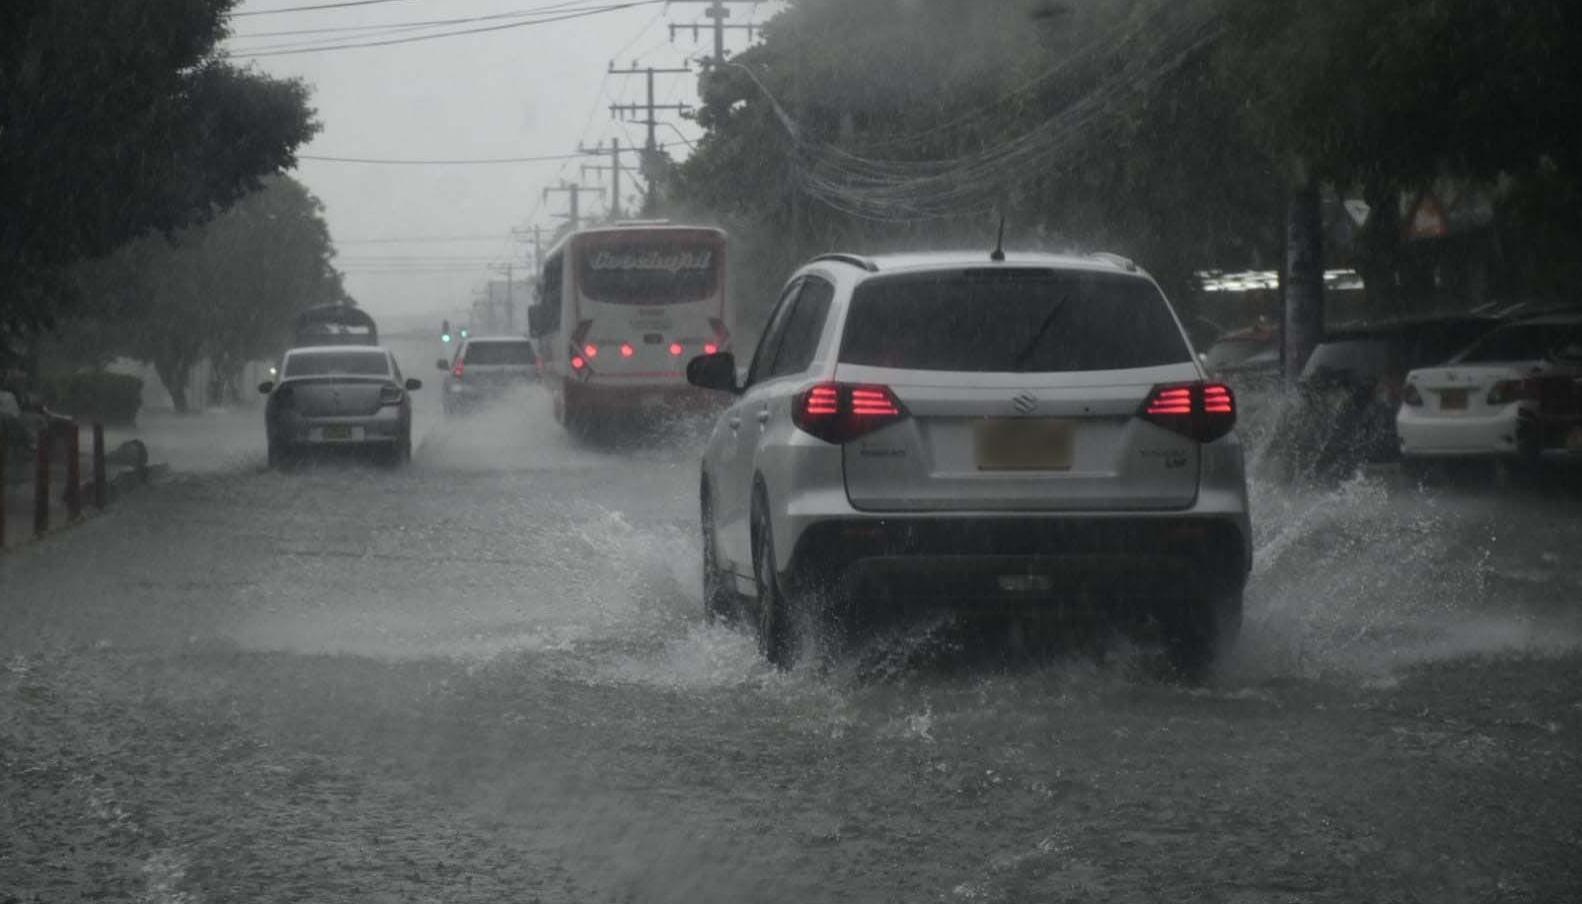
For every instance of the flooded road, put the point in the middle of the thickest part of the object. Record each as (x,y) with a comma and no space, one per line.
(486,678)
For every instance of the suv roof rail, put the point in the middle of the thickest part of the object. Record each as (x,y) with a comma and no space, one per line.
(1125,263)
(856,260)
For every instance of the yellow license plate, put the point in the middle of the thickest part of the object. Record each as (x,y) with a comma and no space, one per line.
(337,431)
(1025,444)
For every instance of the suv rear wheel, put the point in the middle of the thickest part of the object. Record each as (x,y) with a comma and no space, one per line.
(1199,632)
(776,635)
(719,604)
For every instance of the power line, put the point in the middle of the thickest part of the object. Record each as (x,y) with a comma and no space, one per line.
(389,42)
(315,6)
(475,161)
(413,24)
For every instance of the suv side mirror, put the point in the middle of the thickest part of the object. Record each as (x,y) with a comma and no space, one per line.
(442,365)
(413,385)
(717,372)
(266,387)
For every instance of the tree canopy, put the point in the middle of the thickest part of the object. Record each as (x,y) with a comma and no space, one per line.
(118,119)
(1174,131)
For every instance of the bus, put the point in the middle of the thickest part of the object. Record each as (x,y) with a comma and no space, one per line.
(621,310)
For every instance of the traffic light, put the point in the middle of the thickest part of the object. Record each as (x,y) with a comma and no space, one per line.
(444,332)
(464,332)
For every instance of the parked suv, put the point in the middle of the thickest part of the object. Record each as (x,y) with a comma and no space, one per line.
(955,430)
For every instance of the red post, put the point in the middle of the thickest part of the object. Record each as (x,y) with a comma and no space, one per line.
(4,443)
(73,435)
(100,486)
(41,484)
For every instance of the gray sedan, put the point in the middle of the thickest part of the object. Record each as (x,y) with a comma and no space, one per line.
(339,396)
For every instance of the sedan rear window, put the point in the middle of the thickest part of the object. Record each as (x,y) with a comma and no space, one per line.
(486,353)
(339,363)
(1010,321)
(1525,342)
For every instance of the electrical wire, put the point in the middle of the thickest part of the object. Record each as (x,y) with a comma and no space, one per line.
(290,50)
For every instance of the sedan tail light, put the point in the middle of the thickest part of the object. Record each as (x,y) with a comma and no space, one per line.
(392,395)
(1410,397)
(1507,391)
(1202,411)
(841,412)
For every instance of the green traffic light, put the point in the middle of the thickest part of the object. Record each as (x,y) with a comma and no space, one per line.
(445,338)
(463,334)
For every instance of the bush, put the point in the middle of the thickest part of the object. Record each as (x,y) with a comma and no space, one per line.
(95,396)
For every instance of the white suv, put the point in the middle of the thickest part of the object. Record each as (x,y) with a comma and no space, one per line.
(974,432)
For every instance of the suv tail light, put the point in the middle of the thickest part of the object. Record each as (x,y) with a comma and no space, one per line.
(841,412)
(1203,411)
(1508,391)
(458,370)
(392,395)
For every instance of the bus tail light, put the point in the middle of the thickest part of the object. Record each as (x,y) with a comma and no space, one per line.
(1202,411)
(676,349)
(590,351)
(578,362)
(841,412)
(626,350)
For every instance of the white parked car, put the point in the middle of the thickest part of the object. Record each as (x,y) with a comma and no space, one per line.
(951,430)
(1489,401)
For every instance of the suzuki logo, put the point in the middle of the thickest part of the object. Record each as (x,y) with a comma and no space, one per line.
(1025,404)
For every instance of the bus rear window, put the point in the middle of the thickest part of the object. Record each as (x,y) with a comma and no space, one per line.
(486,353)
(1033,321)
(649,273)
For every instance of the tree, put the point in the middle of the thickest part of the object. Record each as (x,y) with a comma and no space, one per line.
(117,118)
(226,291)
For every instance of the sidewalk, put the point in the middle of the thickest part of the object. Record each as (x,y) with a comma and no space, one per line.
(218,439)
(210,441)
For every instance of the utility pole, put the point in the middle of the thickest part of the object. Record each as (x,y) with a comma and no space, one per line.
(509,270)
(614,153)
(650,161)
(574,192)
(652,108)
(719,12)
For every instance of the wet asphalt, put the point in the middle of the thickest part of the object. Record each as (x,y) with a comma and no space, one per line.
(486,677)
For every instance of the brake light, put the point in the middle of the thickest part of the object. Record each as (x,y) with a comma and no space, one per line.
(1202,411)
(392,395)
(590,351)
(840,412)
(458,370)
(676,349)
(1508,391)
(578,362)
(626,350)
(711,349)
(1410,396)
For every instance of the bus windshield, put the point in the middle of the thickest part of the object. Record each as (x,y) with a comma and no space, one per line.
(649,272)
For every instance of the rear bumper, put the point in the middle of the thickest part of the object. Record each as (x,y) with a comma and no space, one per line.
(939,560)
(1426,435)
(637,397)
(388,426)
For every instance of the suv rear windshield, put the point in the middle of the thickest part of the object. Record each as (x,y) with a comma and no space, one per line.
(1011,321)
(349,363)
(485,353)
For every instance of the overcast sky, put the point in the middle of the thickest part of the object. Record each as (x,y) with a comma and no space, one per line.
(535,90)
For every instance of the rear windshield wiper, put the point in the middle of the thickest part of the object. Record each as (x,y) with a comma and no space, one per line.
(1022,357)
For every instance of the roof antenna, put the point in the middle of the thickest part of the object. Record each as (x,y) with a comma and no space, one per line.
(998,254)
